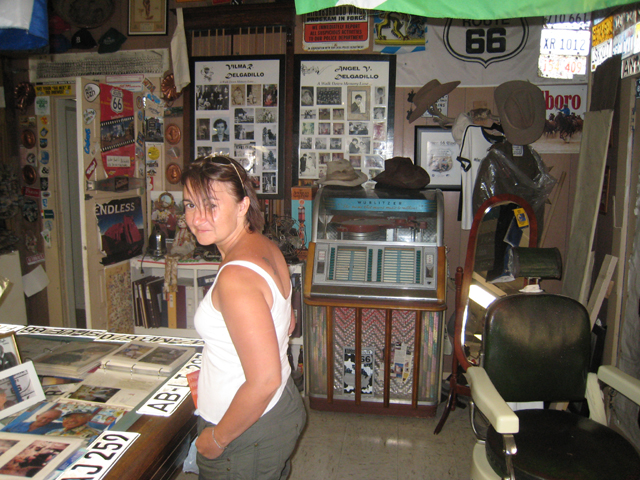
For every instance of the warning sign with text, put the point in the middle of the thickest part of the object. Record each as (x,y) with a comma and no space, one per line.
(345,29)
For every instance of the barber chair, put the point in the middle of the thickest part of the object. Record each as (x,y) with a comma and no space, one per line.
(536,347)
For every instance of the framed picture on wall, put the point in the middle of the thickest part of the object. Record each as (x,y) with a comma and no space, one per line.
(436,151)
(147,17)
(238,105)
(343,111)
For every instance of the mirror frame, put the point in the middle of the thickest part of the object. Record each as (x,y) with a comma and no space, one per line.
(461,306)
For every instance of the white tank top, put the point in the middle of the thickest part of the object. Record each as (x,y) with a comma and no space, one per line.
(221,374)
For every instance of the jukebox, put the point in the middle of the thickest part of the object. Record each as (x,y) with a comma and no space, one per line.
(375,288)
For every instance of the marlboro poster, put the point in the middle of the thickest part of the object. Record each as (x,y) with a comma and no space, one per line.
(117,131)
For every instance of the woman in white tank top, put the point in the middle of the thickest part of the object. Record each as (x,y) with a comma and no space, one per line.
(250,413)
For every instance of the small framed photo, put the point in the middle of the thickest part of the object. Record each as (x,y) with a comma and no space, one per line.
(437,152)
(147,17)
(19,389)
(9,353)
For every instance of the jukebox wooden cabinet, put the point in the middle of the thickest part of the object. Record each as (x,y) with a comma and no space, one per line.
(375,299)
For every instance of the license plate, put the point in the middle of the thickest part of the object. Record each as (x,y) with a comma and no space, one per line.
(565,42)
(561,66)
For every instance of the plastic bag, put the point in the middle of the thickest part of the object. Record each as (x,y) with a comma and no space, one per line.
(525,176)
(190,465)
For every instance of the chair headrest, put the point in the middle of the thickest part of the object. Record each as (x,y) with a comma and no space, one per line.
(542,263)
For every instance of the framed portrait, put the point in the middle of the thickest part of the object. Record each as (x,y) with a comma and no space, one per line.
(238,105)
(147,17)
(344,111)
(437,152)
(9,353)
(19,389)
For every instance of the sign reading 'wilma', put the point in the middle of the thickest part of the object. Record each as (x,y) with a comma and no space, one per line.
(485,41)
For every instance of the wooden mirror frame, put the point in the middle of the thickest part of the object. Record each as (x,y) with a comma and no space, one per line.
(463,284)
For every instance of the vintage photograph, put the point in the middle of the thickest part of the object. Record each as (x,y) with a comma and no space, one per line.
(359,103)
(30,456)
(19,389)
(147,17)
(9,354)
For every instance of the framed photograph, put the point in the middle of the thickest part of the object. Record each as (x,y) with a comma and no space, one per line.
(9,353)
(19,389)
(33,456)
(436,151)
(147,17)
(340,97)
(238,104)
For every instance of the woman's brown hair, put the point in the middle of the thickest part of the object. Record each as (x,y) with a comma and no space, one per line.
(199,175)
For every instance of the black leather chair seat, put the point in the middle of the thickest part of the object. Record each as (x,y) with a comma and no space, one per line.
(590,451)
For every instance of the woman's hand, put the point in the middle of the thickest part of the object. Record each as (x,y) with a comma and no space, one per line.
(206,446)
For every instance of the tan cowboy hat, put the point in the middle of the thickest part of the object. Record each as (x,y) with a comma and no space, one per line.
(341,172)
(429,94)
(400,172)
(522,111)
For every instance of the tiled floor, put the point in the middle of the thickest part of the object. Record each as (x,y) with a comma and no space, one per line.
(371,447)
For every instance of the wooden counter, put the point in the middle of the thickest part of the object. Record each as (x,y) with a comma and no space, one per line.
(161,448)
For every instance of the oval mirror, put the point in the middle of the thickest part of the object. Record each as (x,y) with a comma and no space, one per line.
(501,222)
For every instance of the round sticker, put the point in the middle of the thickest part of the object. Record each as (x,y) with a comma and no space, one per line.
(153,153)
(31,158)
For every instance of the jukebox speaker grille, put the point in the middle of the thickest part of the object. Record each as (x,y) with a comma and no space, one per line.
(351,264)
(400,265)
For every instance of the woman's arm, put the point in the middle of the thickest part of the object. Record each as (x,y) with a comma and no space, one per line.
(244,299)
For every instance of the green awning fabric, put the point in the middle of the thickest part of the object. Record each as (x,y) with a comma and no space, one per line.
(467,9)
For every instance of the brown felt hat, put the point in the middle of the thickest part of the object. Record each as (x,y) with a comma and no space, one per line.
(400,172)
(429,94)
(522,111)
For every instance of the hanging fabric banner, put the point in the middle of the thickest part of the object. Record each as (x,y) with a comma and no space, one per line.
(117,131)
(475,9)
(477,53)
(24,25)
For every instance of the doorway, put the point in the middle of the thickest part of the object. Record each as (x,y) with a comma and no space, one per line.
(70,254)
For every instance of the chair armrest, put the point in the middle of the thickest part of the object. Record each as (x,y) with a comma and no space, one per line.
(489,401)
(622,382)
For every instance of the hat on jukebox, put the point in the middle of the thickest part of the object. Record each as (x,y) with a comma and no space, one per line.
(401,173)
(341,172)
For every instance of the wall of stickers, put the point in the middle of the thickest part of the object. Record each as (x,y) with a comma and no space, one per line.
(238,103)
(345,111)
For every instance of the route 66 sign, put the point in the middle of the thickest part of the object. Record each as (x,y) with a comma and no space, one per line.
(117,103)
(485,41)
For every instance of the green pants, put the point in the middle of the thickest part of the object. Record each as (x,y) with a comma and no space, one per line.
(261,452)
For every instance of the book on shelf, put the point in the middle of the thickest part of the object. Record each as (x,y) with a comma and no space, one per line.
(72,359)
(148,300)
(147,358)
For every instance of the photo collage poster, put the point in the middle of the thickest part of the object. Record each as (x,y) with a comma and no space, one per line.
(238,104)
(346,112)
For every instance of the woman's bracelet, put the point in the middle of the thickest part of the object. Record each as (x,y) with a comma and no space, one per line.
(213,435)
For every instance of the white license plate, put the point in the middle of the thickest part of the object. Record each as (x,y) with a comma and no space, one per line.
(565,42)
(561,66)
